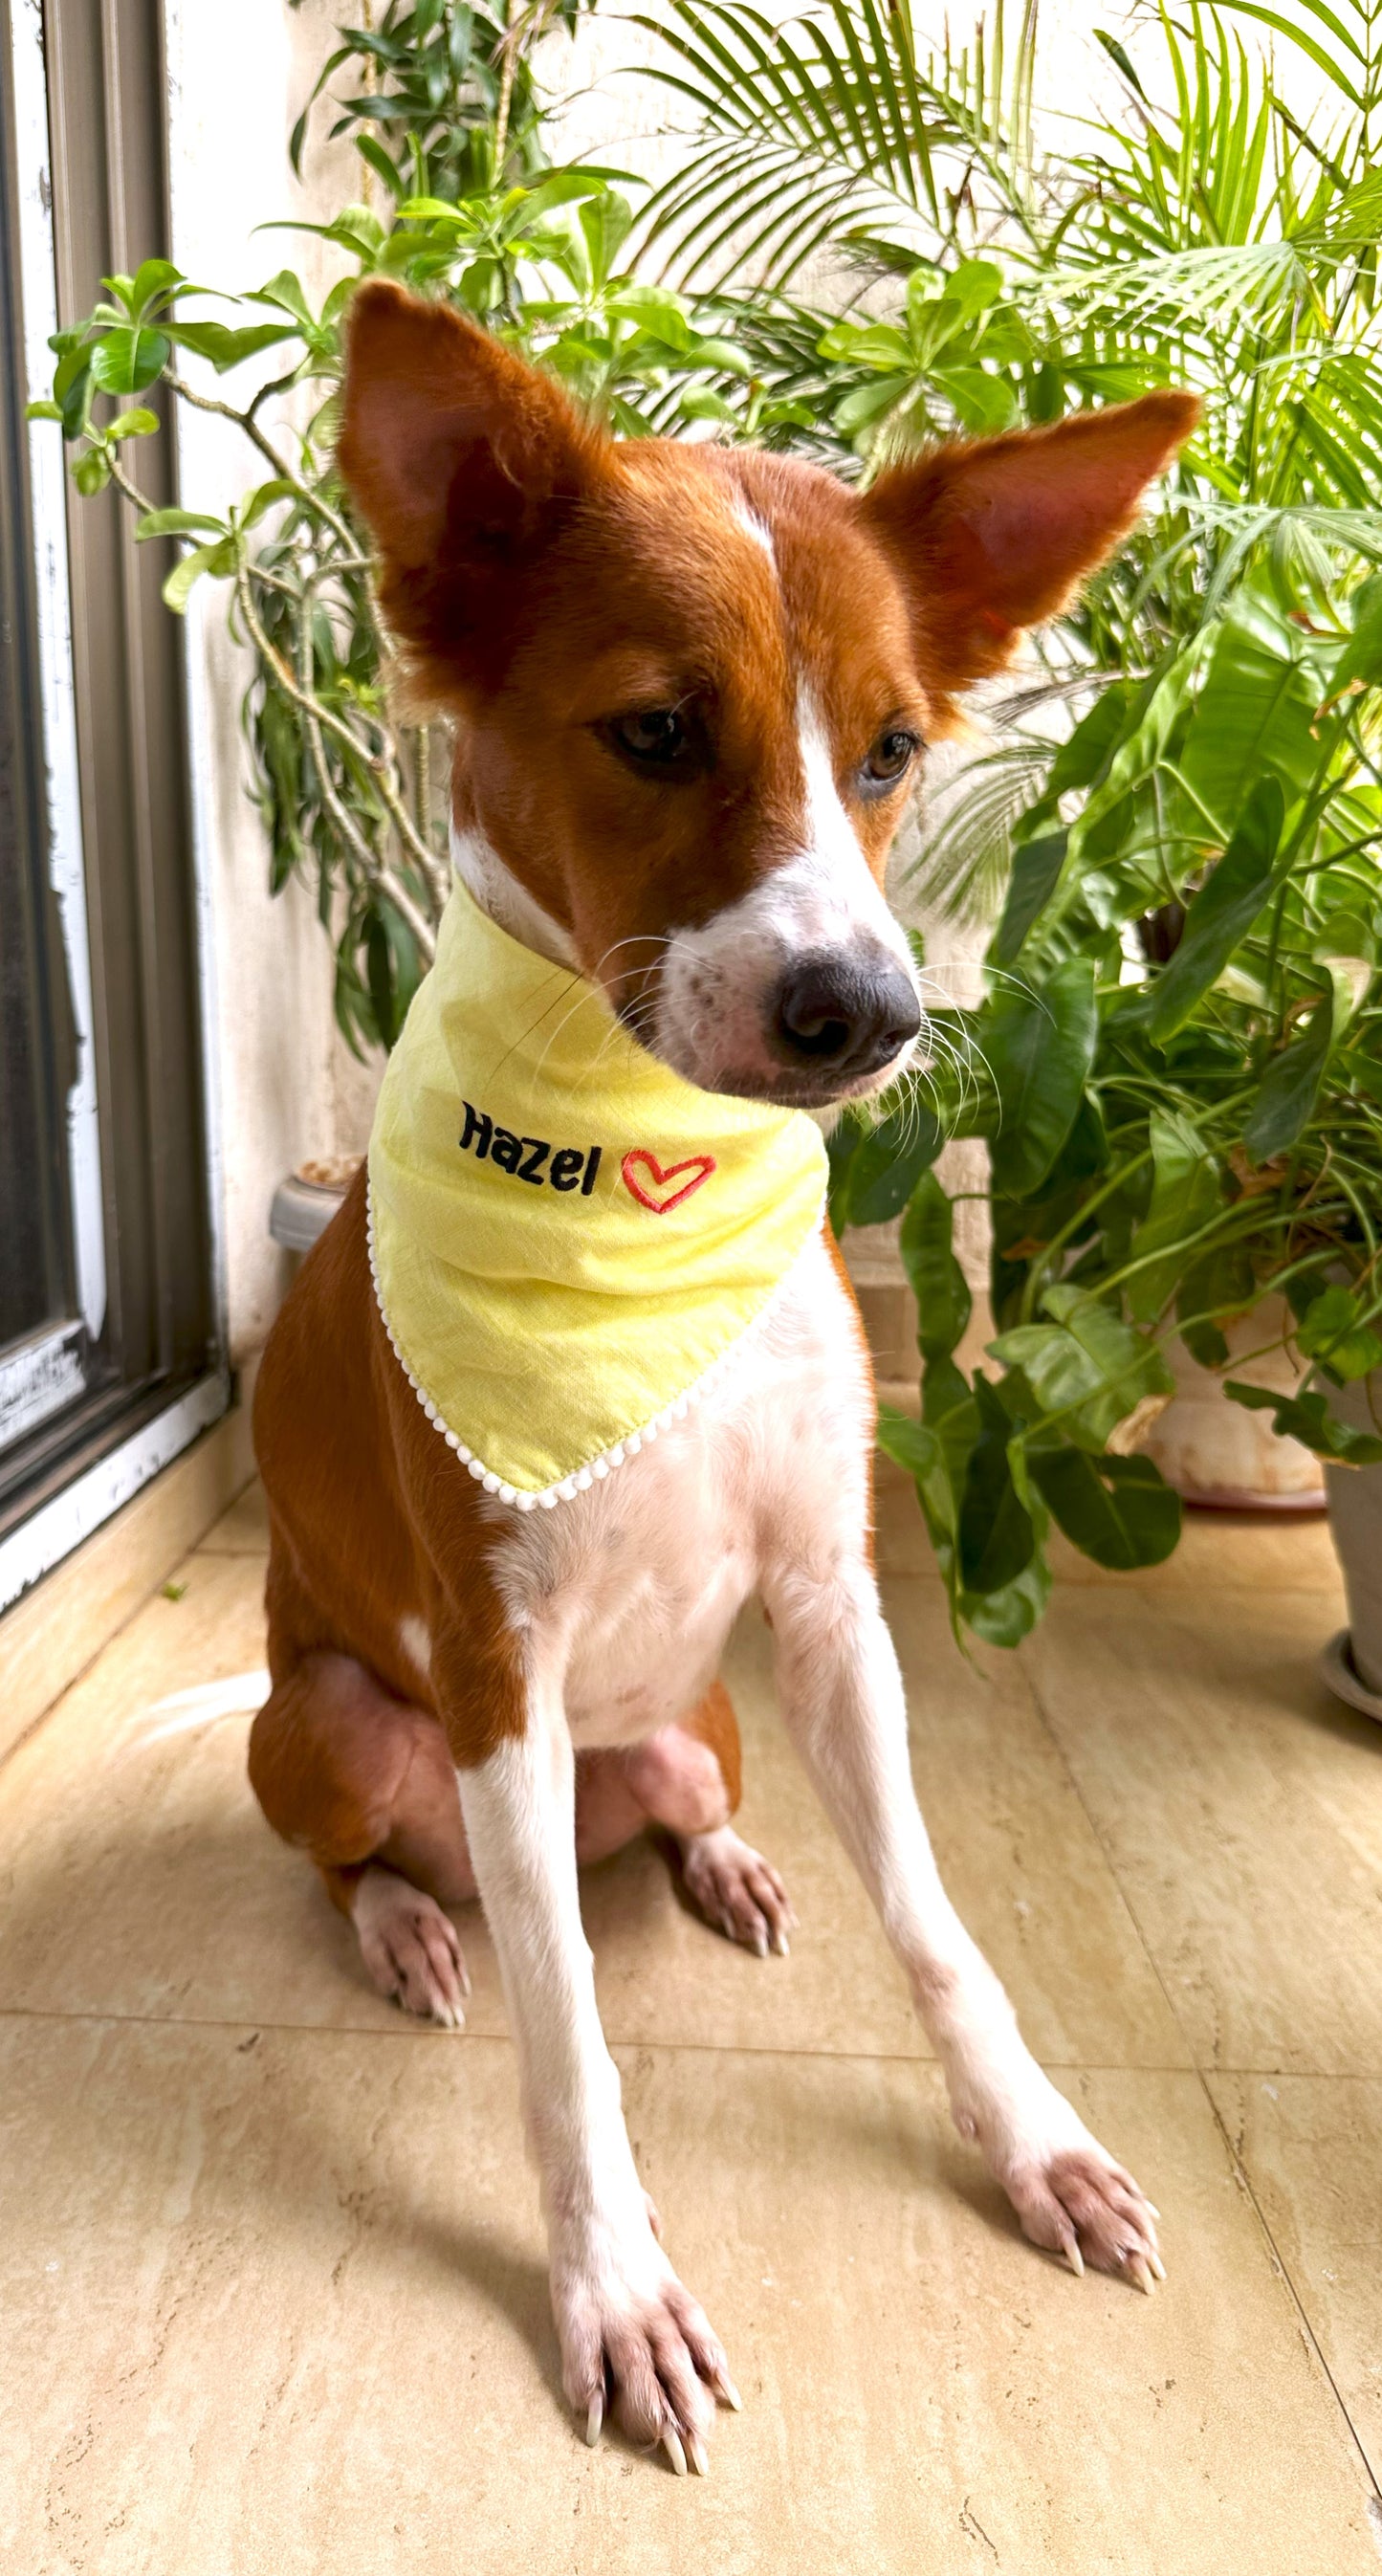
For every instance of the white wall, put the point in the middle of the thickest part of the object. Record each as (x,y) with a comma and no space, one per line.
(285,1086)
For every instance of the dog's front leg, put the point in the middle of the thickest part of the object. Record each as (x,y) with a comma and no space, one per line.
(631,2336)
(841,1695)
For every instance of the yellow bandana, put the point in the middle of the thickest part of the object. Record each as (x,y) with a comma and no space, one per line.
(567,1239)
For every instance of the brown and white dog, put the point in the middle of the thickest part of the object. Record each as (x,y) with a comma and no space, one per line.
(688,684)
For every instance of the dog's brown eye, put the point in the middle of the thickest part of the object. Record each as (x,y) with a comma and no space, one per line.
(656,737)
(890,759)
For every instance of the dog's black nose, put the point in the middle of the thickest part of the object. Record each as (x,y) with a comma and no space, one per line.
(840,1017)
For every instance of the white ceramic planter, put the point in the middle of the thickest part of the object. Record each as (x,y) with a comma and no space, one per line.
(1216,1453)
(304,1205)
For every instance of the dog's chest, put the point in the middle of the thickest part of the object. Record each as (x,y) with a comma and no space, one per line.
(627,1595)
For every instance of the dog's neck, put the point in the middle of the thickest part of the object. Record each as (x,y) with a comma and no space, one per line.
(501,894)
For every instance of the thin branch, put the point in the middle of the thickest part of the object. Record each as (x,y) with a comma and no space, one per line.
(376,868)
(245,420)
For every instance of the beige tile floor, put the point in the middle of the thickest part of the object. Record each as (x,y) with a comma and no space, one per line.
(270,2262)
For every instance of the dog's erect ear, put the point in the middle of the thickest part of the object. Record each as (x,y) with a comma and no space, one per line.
(462,458)
(991,537)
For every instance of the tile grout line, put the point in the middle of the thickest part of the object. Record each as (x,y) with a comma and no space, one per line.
(407,2030)
(1236,2166)
(420,2032)
(1244,2181)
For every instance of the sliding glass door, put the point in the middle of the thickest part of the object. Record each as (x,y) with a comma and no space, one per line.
(106,1308)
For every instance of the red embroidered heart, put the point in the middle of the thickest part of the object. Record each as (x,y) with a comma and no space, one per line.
(700,1167)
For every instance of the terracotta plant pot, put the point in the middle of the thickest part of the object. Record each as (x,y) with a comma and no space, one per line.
(1216,1453)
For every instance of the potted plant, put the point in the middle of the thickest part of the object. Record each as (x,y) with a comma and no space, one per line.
(1177,1067)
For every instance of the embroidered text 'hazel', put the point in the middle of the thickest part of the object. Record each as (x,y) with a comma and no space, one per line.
(525,1156)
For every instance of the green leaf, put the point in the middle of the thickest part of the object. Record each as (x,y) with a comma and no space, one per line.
(1087,1366)
(1223,912)
(919,1451)
(983,404)
(656,310)
(1035,873)
(1147,720)
(1254,714)
(225,347)
(1290,1086)
(152,281)
(949,1408)
(891,1160)
(1005,1618)
(995,1535)
(1219,1284)
(176,523)
(974,285)
(134,424)
(1334,1334)
(1040,1046)
(91,473)
(72,388)
(1119,1511)
(701,402)
(378,160)
(1118,54)
(127,360)
(941,1289)
(909,1444)
(43,411)
(1307,1418)
(263,497)
(1090,748)
(1360,664)
(217,560)
(1186,1190)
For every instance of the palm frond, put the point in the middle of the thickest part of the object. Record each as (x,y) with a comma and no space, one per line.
(838,113)
(965,855)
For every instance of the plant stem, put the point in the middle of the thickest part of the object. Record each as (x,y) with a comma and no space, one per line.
(376,869)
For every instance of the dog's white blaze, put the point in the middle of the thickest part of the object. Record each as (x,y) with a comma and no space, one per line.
(756,527)
(716,979)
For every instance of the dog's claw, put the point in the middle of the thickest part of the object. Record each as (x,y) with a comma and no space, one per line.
(595,2419)
(728,2391)
(671,2444)
(696,2454)
(1070,2253)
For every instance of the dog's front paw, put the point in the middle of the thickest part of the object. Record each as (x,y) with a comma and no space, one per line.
(1081,2205)
(635,2345)
(1070,2195)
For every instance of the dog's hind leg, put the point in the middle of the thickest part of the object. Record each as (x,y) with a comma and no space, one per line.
(363,1781)
(687,1778)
